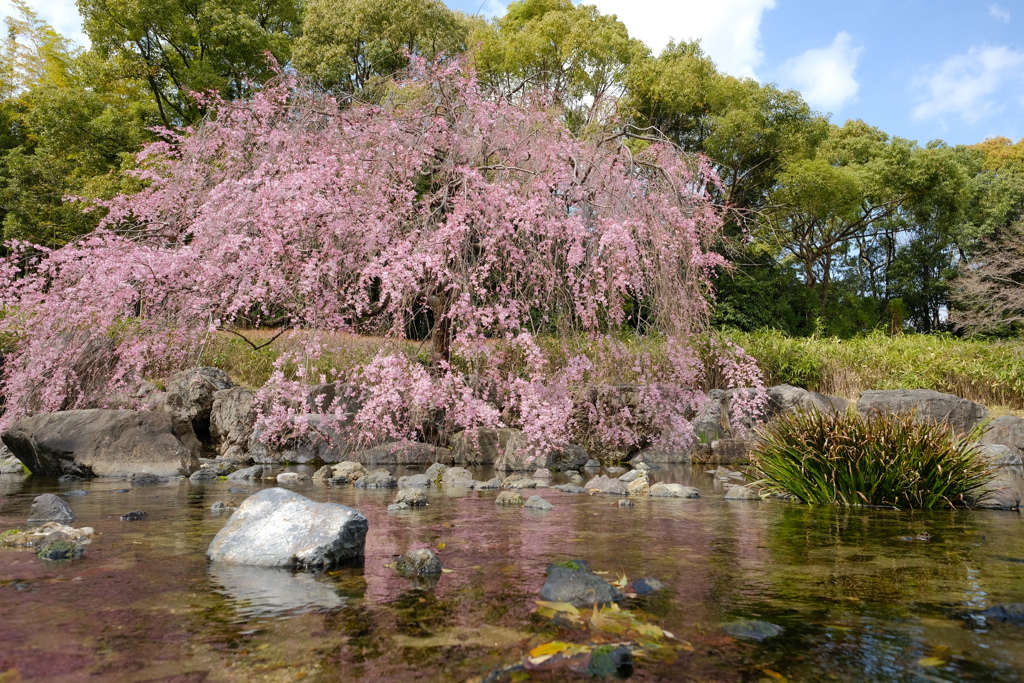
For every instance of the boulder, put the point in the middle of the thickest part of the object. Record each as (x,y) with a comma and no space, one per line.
(403,453)
(592,464)
(996,454)
(486,449)
(232,419)
(50,508)
(350,471)
(147,479)
(630,476)
(737,492)
(280,528)
(104,443)
(457,476)
(569,488)
(538,503)
(511,498)
(492,483)
(292,478)
(784,399)
(674,491)
(416,481)
(606,404)
(1006,430)
(578,587)
(313,438)
(568,457)
(377,479)
(411,497)
(419,563)
(709,423)
(1011,613)
(926,405)
(254,472)
(518,482)
(638,487)
(723,452)
(203,476)
(605,484)
(661,454)
(1000,494)
(435,471)
(189,397)
(324,474)
(542,473)
(11,465)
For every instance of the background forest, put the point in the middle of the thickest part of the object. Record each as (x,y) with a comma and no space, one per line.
(832,230)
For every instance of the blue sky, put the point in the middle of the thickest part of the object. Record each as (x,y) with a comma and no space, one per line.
(921,69)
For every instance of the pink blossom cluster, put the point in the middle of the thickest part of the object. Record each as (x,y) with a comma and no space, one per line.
(292,209)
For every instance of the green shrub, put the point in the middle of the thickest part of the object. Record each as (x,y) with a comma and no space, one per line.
(850,459)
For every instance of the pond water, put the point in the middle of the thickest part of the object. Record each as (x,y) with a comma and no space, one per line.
(858,595)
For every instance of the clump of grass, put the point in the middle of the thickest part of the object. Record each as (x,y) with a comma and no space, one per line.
(884,460)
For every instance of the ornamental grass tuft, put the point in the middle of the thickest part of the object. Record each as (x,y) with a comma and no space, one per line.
(883,460)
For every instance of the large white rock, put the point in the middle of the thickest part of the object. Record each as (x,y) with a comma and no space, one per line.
(280,528)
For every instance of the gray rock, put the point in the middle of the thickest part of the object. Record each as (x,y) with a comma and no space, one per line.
(616,471)
(416,481)
(579,588)
(630,476)
(660,454)
(751,629)
(569,488)
(592,463)
(147,479)
(926,405)
(378,479)
(312,438)
(784,399)
(674,491)
(724,452)
(411,497)
(325,473)
(10,464)
(398,507)
(219,507)
(492,483)
(334,397)
(511,498)
(435,471)
(232,418)
(457,476)
(738,492)
(75,493)
(519,483)
(292,478)
(189,397)
(280,528)
(538,503)
(60,549)
(997,455)
(50,508)
(419,563)
(575,478)
(568,457)
(1012,612)
(542,473)
(1000,494)
(403,453)
(605,484)
(647,586)
(203,476)
(626,503)
(349,470)
(108,443)
(486,449)
(254,472)
(1006,430)
(640,465)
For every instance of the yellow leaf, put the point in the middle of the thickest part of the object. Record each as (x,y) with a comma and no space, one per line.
(774,674)
(447,571)
(649,630)
(552,648)
(552,609)
(931,661)
(621,583)
(442,546)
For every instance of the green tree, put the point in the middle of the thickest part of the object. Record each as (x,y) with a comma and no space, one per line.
(180,46)
(346,44)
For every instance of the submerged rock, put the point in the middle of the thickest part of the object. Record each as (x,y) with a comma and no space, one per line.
(203,476)
(513,498)
(61,549)
(147,479)
(578,587)
(751,629)
(569,488)
(280,528)
(626,503)
(646,586)
(398,507)
(738,492)
(1012,612)
(538,503)
(50,508)
(419,563)
(674,491)
(611,661)
(411,497)
(378,479)
(492,483)
(605,484)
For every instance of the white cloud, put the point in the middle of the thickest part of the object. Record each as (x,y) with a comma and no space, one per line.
(999,13)
(825,75)
(61,14)
(967,85)
(729,30)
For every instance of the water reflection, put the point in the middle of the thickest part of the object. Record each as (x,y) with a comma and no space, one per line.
(271,592)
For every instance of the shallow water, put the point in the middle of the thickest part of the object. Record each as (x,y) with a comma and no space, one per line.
(857,602)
